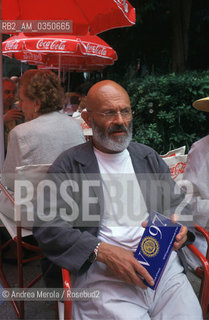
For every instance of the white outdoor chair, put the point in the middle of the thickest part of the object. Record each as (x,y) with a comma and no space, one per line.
(19,236)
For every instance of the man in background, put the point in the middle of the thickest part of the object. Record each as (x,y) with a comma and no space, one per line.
(196,173)
(12,115)
(82,92)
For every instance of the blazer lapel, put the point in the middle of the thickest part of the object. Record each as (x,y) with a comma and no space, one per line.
(143,174)
(90,168)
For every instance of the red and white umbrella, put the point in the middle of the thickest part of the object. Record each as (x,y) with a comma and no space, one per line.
(61,51)
(80,18)
(93,16)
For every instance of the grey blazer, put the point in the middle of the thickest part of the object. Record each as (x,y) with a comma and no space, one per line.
(69,244)
(40,141)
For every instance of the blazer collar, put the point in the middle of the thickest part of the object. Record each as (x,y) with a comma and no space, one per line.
(138,157)
(86,157)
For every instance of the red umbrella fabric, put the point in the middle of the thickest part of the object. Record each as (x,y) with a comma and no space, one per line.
(80,17)
(93,16)
(65,51)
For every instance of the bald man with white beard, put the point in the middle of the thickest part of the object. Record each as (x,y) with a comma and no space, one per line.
(100,253)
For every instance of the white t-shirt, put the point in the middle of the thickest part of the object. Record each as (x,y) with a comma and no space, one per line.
(124,205)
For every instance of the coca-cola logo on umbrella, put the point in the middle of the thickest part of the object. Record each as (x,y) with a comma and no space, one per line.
(58,45)
(61,51)
(13,45)
(93,49)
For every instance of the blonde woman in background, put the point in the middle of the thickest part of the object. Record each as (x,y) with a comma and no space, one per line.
(46,132)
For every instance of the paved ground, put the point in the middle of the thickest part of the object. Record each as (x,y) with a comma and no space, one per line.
(33,310)
(44,310)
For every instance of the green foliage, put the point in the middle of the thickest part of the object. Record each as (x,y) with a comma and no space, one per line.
(163,114)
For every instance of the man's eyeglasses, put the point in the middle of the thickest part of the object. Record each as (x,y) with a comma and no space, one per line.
(111,115)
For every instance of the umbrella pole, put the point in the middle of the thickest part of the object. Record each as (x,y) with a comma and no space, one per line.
(63,75)
(1,102)
(21,68)
(59,70)
(68,82)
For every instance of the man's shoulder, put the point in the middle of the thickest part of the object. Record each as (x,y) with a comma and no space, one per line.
(142,149)
(79,153)
(84,153)
(77,150)
(148,156)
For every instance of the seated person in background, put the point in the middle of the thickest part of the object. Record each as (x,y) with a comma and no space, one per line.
(97,240)
(71,103)
(12,115)
(197,173)
(15,79)
(82,91)
(46,132)
(74,100)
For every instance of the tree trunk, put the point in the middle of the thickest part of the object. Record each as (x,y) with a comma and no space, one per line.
(181,12)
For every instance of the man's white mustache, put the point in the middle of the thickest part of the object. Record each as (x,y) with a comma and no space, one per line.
(116,128)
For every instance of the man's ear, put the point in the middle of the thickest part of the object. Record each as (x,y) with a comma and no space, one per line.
(85,116)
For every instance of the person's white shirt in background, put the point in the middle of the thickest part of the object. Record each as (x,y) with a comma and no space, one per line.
(196,175)
(87,131)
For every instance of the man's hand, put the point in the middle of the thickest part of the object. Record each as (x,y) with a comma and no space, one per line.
(13,114)
(181,236)
(123,265)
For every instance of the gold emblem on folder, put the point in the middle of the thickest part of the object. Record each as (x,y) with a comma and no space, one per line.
(150,247)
